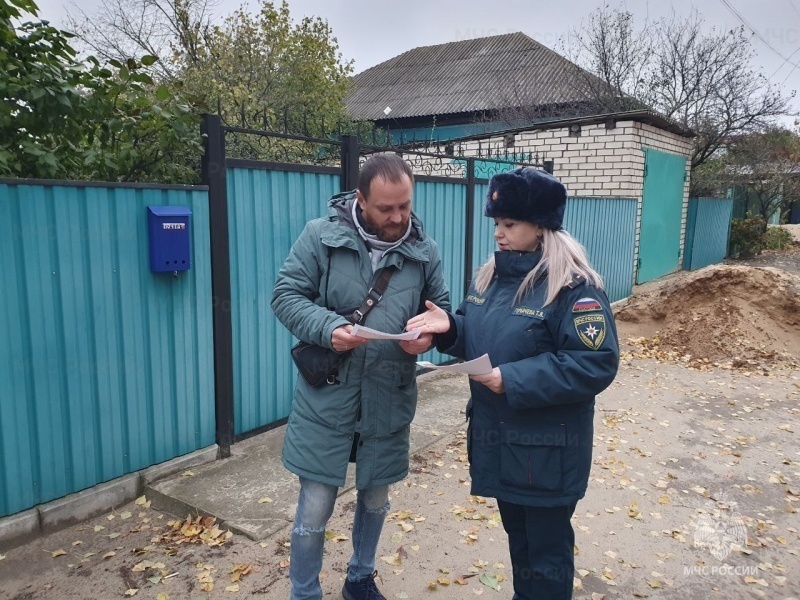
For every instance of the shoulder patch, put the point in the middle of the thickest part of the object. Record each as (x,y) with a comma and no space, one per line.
(586,305)
(591,330)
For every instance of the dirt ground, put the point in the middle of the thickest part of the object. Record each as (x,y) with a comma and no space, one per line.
(694,492)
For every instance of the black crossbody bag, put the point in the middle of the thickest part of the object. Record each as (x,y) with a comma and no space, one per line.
(319,365)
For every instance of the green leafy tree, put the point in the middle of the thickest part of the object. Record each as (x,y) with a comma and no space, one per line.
(63,118)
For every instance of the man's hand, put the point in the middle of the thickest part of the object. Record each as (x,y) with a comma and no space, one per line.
(433,320)
(493,380)
(342,340)
(422,344)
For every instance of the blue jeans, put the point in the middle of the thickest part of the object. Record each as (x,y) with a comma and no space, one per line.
(314,508)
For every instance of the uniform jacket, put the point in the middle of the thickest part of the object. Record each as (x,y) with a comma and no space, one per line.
(377,391)
(532,445)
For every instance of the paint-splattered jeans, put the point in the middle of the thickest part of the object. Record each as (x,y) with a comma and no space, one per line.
(314,508)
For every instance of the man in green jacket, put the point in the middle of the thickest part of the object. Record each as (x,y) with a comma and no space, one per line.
(369,407)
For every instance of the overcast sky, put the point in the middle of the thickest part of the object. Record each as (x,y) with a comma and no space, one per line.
(370,32)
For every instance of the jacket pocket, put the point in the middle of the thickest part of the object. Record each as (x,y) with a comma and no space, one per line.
(404,395)
(531,458)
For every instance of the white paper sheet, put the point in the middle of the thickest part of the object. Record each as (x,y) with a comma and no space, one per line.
(374,334)
(479,366)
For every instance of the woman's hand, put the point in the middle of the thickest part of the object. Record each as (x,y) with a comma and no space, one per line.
(493,380)
(433,320)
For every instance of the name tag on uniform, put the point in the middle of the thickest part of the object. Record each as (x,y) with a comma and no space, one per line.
(473,299)
(533,313)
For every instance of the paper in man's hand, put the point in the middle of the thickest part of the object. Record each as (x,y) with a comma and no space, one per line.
(374,334)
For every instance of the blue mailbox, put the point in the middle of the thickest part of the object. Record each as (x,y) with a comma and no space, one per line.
(168,229)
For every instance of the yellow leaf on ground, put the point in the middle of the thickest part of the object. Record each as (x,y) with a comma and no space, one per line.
(443,581)
(109,554)
(131,592)
(394,560)
(141,500)
(58,553)
(125,515)
(188,474)
(232,588)
(265,500)
(98,528)
(162,596)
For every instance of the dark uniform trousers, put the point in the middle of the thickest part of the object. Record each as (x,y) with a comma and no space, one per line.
(541,541)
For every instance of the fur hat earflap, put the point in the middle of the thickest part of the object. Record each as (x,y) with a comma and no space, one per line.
(527,194)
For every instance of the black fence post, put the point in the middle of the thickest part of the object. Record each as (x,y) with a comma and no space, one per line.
(214,177)
(548,166)
(350,155)
(469,246)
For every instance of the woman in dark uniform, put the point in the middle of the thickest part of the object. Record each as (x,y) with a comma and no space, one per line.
(538,309)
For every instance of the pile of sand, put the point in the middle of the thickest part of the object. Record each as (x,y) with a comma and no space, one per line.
(725,315)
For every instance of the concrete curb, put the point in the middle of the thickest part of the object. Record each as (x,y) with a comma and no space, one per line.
(61,513)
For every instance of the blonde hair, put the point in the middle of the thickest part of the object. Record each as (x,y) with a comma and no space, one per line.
(562,257)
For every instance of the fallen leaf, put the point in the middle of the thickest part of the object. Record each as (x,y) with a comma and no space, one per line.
(264,500)
(394,560)
(141,500)
(232,588)
(98,528)
(109,554)
(443,581)
(188,474)
(2,556)
(58,553)
(131,592)
(162,596)
(490,581)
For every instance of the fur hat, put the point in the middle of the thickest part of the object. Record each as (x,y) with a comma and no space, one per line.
(527,194)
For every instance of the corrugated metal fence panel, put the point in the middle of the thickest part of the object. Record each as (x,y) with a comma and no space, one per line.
(607,229)
(709,242)
(105,367)
(441,206)
(267,210)
(483,244)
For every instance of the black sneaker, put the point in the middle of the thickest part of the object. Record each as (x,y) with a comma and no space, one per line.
(363,589)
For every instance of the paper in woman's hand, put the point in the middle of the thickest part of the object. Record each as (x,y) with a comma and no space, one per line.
(479,366)
(374,334)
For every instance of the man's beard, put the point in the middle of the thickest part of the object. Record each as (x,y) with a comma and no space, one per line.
(388,233)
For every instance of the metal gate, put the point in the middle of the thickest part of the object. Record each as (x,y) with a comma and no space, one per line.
(662,211)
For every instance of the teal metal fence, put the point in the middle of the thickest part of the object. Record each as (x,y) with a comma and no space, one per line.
(267,210)
(105,367)
(708,225)
(607,229)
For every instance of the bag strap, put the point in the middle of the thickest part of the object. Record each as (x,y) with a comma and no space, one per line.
(374,296)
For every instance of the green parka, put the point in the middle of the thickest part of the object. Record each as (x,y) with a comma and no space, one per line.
(329,268)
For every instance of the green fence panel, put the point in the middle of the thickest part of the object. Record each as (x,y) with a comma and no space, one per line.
(708,226)
(105,367)
(267,210)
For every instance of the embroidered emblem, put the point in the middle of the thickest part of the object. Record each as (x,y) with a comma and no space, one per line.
(591,330)
(586,305)
(529,312)
(472,298)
